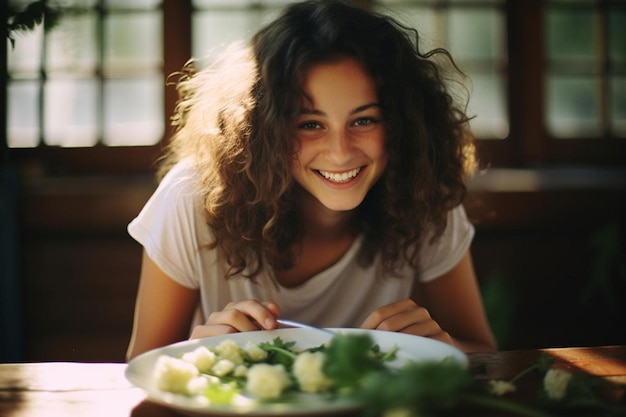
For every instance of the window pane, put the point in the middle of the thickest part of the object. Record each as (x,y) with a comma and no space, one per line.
(571,35)
(572,107)
(423,19)
(618,106)
(466,42)
(213,30)
(79,3)
(133,41)
(23,114)
(240,3)
(488,104)
(215,3)
(70,115)
(617,36)
(133,111)
(72,46)
(481,55)
(131,4)
(24,57)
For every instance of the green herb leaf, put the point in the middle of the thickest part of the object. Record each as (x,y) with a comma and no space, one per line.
(279,352)
(423,388)
(349,358)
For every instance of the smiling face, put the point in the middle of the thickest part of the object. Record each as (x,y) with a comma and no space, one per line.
(341,135)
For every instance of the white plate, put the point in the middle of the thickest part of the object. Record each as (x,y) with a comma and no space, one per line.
(410,348)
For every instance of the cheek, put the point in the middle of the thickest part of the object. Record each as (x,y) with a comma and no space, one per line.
(378,147)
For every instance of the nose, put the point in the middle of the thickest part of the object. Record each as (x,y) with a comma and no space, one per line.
(340,147)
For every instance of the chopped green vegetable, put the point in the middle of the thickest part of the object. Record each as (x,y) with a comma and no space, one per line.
(279,352)
(221,393)
(349,358)
(425,388)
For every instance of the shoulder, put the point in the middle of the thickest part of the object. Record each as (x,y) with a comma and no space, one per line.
(176,200)
(184,173)
(180,185)
(441,254)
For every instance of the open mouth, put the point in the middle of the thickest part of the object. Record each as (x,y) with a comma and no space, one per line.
(340,177)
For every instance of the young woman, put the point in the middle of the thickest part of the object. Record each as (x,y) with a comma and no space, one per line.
(318,176)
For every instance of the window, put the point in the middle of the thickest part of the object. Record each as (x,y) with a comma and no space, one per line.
(585,69)
(548,79)
(217,23)
(95,78)
(480,54)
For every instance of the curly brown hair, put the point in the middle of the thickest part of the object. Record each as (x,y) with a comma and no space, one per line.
(236,120)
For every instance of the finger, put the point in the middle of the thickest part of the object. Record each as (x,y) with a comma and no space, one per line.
(248,315)
(264,313)
(234,318)
(211,330)
(402,320)
(430,330)
(381,314)
(272,307)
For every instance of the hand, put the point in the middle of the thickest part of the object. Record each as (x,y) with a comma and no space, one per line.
(240,316)
(406,316)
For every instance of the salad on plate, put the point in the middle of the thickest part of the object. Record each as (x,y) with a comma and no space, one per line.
(294,371)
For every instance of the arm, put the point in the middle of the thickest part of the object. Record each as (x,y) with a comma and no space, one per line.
(448,308)
(455,302)
(164,310)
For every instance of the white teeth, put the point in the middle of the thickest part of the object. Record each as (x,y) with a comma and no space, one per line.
(343,177)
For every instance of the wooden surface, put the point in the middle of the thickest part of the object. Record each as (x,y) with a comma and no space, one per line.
(68,389)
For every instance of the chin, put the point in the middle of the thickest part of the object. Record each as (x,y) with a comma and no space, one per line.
(334,205)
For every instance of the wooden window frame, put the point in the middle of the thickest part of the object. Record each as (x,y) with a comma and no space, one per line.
(529,143)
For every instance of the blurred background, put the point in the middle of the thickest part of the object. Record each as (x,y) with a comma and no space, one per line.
(85,110)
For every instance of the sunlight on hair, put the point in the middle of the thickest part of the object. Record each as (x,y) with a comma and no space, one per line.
(471,161)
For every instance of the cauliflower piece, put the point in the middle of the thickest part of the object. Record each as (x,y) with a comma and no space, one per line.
(267,381)
(499,387)
(240,371)
(197,385)
(307,369)
(228,349)
(255,353)
(223,367)
(175,375)
(202,358)
(555,383)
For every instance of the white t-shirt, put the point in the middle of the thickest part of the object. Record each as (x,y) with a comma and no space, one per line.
(173,231)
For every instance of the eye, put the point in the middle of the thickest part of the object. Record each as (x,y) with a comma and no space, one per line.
(365,122)
(309,125)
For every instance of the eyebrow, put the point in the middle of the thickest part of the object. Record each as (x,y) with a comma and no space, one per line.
(355,111)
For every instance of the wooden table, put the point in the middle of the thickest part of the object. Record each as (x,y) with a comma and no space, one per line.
(60,389)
